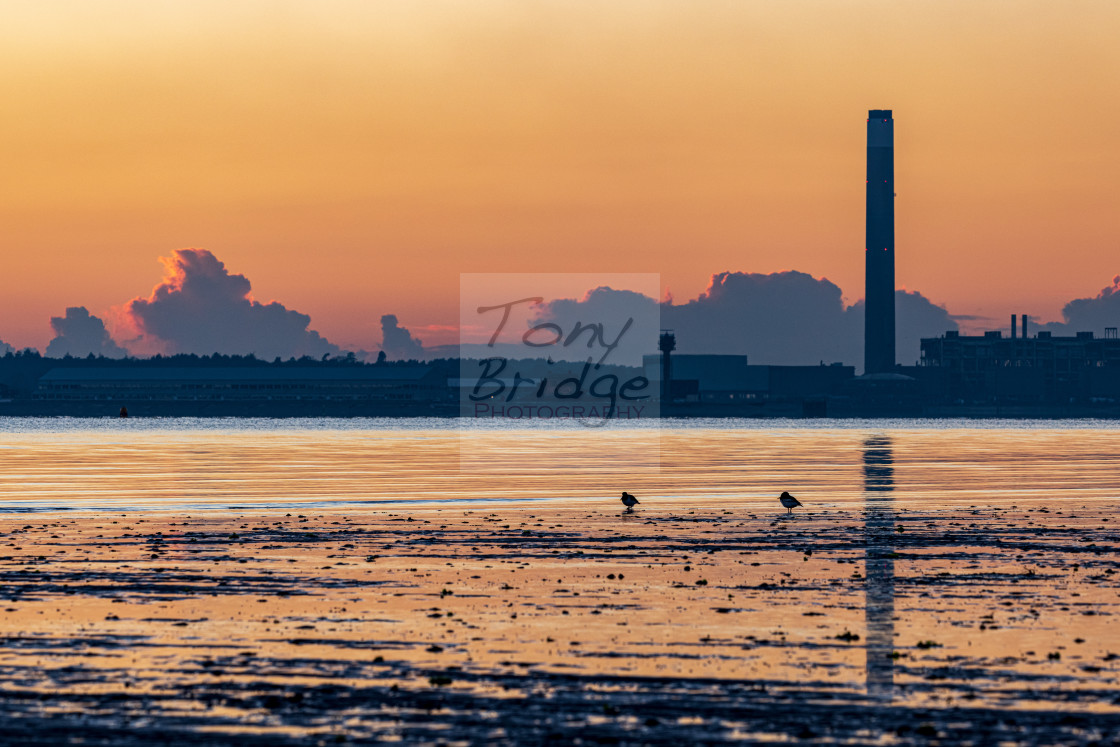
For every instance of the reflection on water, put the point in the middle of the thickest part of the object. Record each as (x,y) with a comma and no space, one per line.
(879,523)
(50,464)
(706,616)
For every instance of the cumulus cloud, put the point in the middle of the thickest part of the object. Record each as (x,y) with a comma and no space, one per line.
(915,317)
(1089,314)
(623,321)
(200,307)
(782,318)
(79,334)
(397,342)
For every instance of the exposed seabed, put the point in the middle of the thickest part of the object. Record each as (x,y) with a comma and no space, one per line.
(985,624)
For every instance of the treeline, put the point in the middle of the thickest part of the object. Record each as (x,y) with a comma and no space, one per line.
(20,371)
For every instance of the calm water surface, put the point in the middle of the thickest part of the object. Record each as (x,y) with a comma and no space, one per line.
(945,579)
(175,463)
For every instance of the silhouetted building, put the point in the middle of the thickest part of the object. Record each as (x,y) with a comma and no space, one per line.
(700,378)
(201,384)
(729,380)
(1043,368)
(878,339)
(805,382)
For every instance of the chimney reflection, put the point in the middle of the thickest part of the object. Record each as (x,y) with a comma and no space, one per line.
(879,524)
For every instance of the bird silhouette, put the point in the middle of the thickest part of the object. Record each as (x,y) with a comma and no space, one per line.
(788,501)
(629,501)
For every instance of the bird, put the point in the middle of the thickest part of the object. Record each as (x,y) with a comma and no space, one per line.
(788,501)
(629,501)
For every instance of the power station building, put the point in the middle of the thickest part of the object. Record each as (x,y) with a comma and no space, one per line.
(1042,368)
(727,380)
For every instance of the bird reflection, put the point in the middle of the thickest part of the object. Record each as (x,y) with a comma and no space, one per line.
(879,526)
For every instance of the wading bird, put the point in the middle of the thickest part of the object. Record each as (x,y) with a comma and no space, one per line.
(629,501)
(787,500)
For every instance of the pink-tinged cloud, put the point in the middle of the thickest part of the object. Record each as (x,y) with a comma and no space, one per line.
(397,342)
(199,307)
(437,328)
(1090,314)
(79,334)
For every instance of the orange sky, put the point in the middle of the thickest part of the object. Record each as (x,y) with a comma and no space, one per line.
(352,158)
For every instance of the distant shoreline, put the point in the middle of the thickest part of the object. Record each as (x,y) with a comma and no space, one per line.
(838,410)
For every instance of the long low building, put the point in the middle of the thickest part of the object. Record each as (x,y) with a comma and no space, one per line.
(728,379)
(1039,368)
(243,384)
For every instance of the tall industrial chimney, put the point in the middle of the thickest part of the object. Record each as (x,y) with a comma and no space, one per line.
(878,331)
(1012,326)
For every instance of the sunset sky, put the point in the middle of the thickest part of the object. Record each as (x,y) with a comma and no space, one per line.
(353,158)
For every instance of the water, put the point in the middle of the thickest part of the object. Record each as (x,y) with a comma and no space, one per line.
(407,580)
(62,464)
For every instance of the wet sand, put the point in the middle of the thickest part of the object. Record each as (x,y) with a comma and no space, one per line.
(961,625)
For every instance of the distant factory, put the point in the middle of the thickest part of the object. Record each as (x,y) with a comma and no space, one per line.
(713,385)
(958,375)
(1025,369)
(986,374)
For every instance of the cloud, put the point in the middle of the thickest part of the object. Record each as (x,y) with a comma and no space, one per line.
(397,342)
(621,325)
(1089,314)
(915,317)
(79,334)
(199,307)
(782,318)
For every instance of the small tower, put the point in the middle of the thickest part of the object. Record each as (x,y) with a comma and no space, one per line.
(666,344)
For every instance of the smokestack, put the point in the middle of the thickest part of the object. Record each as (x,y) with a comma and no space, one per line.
(1024,326)
(878,330)
(1012,326)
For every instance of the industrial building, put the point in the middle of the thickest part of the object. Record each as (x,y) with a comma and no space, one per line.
(728,380)
(129,385)
(1042,368)
(701,378)
(1021,375)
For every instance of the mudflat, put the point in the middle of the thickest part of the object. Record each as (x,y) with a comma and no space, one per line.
(976,624)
